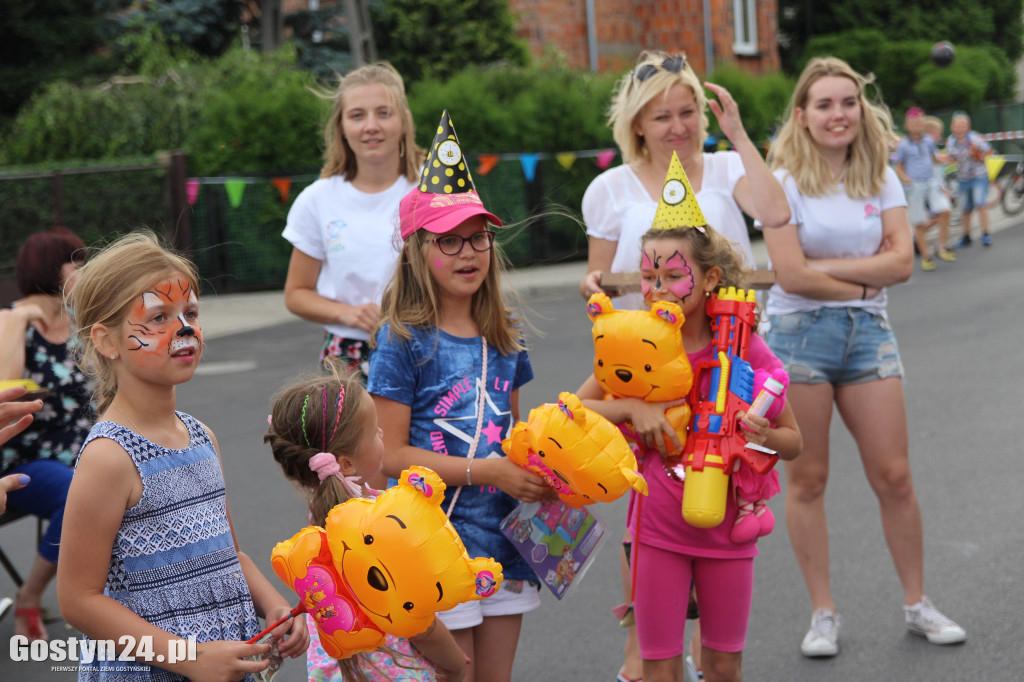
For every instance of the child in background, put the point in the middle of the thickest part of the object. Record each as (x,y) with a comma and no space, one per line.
(969,150)
(149,551)
(330,459)
(445,376)
(685,265)
(914,161)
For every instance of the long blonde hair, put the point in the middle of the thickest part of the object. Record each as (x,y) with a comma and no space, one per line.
(863,175)
(338,156)
(106,288)
(411,298)
(632,95)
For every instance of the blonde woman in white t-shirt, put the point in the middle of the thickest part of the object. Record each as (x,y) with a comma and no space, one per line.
(847,241)
(660,107)
(342,227)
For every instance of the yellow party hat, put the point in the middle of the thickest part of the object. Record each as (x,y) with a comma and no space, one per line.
(445,171)
(678,205)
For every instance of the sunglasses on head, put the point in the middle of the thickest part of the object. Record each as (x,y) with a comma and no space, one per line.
(671,64)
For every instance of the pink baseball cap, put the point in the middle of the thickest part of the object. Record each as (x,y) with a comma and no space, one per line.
(445,195)
(440,213)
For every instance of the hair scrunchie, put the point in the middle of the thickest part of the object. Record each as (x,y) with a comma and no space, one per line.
(325,465)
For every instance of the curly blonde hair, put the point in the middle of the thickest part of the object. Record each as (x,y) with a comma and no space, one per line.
(863,175)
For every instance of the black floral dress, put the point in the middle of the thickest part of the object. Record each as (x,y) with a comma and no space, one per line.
(62,425)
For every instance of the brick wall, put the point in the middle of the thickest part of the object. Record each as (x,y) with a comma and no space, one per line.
(625,27)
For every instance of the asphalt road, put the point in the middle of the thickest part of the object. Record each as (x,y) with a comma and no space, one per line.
(960,330)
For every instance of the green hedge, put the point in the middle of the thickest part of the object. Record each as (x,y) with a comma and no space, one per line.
(906,76)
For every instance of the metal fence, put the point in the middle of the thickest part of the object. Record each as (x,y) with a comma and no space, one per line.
(231,226)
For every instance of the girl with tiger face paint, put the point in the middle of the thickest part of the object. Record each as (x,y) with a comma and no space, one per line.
(146,467)
(165,321)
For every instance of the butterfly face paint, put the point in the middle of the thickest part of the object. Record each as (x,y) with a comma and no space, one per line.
(665,269)
(165,321)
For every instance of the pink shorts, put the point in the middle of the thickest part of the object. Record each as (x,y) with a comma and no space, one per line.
(724,588)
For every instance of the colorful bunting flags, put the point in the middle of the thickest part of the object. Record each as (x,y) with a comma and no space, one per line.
(284,186)
(235,189)
(529,163)
(191,191)
(566,159)
(604,158)
(486,163)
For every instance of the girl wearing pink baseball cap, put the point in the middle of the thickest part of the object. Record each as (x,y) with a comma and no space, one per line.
(448,360)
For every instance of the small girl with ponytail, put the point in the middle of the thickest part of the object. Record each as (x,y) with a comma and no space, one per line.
(324,434)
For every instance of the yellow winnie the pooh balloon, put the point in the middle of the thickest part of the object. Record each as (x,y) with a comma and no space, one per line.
(640,354)
(582,455)
(383,565)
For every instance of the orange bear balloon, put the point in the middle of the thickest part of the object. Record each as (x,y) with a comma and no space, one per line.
(582,455)
(383,565)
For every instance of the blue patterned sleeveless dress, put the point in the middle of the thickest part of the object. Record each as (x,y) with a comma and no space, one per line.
(174,561)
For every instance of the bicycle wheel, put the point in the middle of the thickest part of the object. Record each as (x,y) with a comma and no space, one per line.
(1013,194)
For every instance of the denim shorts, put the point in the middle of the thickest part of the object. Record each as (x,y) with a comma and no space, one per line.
(973,192)
(839,346)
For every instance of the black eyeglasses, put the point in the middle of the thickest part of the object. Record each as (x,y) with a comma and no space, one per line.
(671,64)
(451,244)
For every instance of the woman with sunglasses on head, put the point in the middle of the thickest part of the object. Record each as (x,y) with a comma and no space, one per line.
(342,227)
(660,107)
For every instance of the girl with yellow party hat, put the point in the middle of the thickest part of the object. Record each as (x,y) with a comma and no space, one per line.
(684,262)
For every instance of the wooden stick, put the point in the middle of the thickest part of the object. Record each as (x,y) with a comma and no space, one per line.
(618,283)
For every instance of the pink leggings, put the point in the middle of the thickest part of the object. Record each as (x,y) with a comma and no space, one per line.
(724,588)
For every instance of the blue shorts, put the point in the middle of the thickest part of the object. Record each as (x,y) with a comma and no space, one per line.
(839,346)
(973,193)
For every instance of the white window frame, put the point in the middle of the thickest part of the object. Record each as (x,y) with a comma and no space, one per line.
(744,18)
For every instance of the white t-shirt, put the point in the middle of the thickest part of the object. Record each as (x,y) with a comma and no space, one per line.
(617,207)
(836,226)
(355,237)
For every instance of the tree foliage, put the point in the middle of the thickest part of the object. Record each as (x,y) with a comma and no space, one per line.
(438,38)
(218,111)
(962,22)
(206,27)
(40,42)
(905,74)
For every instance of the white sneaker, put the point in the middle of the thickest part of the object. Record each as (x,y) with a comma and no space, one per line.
(690,672)
(823,637)
(924,619)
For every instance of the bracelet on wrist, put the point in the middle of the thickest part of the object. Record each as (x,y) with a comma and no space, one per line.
(469,473)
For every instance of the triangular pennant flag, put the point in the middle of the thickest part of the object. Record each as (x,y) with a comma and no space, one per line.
(678,205)
(604,158)
(235,189)
(284,186)
(445,171)
(191,191)
(486,163)
(529,164)
(567,159)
